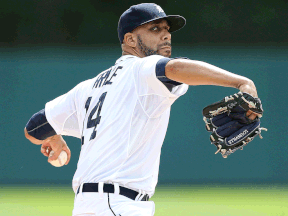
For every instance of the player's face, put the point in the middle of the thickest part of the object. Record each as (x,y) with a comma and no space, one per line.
(154,38)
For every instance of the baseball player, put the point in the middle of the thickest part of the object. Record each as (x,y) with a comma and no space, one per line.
(121,115)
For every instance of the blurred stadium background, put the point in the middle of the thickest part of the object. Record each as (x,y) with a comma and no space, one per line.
(49,46)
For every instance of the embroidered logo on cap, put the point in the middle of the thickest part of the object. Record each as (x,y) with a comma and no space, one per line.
(160,10)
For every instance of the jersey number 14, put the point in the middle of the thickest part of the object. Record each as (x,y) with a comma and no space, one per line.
(94,122)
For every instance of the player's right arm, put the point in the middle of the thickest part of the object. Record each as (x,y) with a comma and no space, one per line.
(200,73)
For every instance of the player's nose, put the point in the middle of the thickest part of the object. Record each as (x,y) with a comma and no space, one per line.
(166,36)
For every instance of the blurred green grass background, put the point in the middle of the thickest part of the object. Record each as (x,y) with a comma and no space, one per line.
(206,200)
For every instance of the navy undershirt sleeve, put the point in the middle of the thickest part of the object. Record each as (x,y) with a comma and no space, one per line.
(38,126)
(160,73)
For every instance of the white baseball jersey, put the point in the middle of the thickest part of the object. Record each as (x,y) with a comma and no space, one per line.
(121,116)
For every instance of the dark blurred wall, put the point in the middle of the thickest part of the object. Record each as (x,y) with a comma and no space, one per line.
(47,47)
(95,22)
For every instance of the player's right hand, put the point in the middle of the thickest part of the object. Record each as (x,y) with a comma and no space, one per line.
(57,144)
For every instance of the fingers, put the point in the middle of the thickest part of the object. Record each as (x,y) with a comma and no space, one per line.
(56,144)
(251,115)
(55,155)
(45,150)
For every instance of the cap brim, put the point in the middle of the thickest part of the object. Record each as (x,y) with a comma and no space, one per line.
(175,22)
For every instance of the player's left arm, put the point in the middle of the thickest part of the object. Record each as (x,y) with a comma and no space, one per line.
(55,142)
(58,118)
(38,131)
(38,128)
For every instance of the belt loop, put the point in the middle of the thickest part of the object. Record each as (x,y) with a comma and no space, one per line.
(142,195)
(139,194)
(80,191)
(116,189)
(100,190)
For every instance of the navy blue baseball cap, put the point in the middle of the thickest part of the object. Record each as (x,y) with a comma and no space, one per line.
(140,14)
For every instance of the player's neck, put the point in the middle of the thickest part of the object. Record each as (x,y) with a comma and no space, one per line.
(131,51)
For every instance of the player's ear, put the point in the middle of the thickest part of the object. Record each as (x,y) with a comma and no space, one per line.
(130,39)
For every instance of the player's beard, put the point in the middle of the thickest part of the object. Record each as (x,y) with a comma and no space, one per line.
(147,51)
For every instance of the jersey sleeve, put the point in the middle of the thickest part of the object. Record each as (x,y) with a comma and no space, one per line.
(150,78)
(61,113)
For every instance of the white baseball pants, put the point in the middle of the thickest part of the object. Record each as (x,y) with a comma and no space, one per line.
(110,204)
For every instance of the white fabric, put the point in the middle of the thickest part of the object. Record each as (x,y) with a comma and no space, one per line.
(100,189)
(133,124)
(116,189)
(93,205)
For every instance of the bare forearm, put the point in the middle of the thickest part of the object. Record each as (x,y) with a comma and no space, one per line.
(201,73)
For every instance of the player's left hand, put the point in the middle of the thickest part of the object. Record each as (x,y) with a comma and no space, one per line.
(57,144)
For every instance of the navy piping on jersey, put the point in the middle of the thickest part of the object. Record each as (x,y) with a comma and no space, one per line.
(160,74)
(38,126)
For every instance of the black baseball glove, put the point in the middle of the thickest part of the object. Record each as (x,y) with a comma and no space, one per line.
(231,128)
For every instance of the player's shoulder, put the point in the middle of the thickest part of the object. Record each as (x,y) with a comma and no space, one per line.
(150,61)
(85,84)
(126,59)
(152,58)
